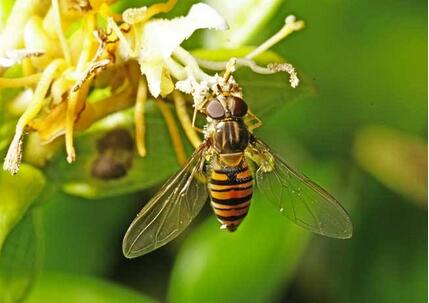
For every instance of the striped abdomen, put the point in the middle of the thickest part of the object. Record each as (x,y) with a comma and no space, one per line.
(231,190)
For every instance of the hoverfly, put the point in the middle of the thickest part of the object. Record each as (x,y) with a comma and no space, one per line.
(219,169)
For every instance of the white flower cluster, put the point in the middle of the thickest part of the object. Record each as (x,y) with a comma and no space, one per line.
(161,57)
(60,68)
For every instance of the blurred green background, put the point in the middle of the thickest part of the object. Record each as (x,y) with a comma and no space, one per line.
(360,132)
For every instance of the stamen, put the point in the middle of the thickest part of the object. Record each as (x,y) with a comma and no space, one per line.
(175,69)
(13,157)
(291,25)
(185,120)
(92,70)
(76,100)
(190,62)
(286,67)
(14,154)
(134,16)
(89,42)
(60,32)
(160,8)
(76,95)
(71,108)
(173,130)
(39,95)
(240,62)
(12,57)
(111,25)
(270,69)
(212,65)
(27,67)
(98,110)
(19,82)
(53,125)
(139,117)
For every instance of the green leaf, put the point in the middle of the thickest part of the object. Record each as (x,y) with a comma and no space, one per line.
(397,159)
(18,193)
(386,258)
(245,18)
(20,259)
(252,264)
(264,93)
(84,237)
(66,288)
(119,169)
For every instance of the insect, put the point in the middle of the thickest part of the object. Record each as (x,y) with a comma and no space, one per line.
(219,169)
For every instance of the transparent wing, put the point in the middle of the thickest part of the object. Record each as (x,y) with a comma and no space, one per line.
(297,197)
(171,210)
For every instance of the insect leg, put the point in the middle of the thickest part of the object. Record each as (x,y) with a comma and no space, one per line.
(254,121)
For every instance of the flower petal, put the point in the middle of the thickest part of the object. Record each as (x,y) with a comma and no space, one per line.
(161,37)
(153,74)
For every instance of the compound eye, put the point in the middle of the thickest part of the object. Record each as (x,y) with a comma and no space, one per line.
(215,109)
(238,107)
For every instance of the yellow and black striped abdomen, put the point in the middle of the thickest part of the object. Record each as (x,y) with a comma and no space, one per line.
(231,190)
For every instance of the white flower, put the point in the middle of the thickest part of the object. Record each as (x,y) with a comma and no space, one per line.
(160,38)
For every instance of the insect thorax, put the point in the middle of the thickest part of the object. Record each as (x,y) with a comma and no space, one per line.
(230,136)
